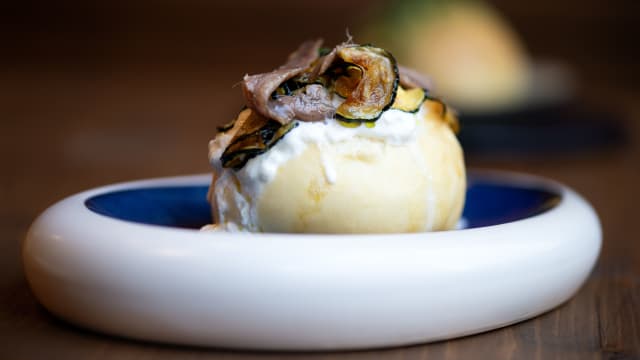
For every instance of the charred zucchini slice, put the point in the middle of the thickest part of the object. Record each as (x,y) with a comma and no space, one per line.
(346,83)
(350,125)
(256,135)
(451,119)
(409,100)
(447,115)
(371,89)
(226,127)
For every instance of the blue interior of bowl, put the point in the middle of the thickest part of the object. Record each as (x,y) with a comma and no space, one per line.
(488,203)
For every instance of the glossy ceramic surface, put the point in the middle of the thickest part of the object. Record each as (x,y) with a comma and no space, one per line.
(126,259)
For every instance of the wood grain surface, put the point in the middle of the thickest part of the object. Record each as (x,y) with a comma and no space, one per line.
(91,95)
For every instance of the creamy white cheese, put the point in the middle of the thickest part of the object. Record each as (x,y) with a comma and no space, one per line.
(394,127)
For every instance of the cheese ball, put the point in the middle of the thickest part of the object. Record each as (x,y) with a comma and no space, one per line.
(345,180)
(340,140)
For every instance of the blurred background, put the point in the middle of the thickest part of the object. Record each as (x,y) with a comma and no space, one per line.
(97,92)
(93,93)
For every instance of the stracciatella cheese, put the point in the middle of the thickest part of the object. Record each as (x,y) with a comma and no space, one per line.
(404,174)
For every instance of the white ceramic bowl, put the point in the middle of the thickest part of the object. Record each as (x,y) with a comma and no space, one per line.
(95,260)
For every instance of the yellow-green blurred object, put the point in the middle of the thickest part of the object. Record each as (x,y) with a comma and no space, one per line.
(477,62)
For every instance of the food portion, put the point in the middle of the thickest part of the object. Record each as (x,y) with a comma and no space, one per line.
(340,140)
(477,60)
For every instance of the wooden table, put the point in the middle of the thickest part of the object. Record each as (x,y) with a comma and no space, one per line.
(72,124)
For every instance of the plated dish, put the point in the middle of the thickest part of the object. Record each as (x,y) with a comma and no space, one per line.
(129,260)
(337,200)
(338,140)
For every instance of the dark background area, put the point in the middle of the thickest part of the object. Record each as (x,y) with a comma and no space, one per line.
(97,92)
(148,75)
